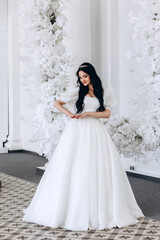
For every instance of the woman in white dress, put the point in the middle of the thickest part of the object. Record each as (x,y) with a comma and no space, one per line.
(84,185)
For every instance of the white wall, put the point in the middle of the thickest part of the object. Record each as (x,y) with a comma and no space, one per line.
(78,40)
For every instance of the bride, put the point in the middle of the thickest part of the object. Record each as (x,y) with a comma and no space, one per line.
(84,185)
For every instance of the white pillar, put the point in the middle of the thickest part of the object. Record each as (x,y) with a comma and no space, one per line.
(105,41)
(3,75)
(14,138)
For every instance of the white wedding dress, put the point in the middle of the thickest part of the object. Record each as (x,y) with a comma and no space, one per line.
(84,185)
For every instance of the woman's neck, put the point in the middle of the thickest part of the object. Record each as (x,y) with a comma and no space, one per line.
(90,92)
(90,87)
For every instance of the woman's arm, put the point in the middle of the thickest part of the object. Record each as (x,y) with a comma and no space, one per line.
(104,114)
(59,105)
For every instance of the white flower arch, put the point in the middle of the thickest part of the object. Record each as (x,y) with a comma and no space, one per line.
(43,53)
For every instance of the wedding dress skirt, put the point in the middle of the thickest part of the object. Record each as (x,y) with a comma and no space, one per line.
(84,185)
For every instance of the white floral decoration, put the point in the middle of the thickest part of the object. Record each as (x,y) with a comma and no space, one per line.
(141,139)
(132,139)
(149,89)
(45,62)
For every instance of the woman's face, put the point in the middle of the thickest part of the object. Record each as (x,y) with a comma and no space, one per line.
(84,78)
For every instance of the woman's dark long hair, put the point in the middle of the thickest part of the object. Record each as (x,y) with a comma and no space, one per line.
(83,90)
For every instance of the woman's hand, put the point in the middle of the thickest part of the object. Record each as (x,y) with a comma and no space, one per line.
(81,115)
(71,115)
(103,114)
(77,116)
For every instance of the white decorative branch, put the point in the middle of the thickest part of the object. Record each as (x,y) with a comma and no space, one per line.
(45,62)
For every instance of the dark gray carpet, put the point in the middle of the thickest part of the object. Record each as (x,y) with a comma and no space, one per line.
(147,193)
(23,165)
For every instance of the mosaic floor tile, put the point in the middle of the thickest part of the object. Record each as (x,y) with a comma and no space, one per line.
(16,194)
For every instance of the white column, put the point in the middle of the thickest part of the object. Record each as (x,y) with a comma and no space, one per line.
(14,138)
(105,41)
(3,76)
(101,39)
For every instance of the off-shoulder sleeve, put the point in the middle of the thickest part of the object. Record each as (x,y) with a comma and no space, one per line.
(110,98)
(70,95)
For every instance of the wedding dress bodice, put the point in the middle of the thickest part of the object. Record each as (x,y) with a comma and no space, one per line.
(91,104)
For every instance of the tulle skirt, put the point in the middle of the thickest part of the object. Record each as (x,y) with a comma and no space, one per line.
(84,185)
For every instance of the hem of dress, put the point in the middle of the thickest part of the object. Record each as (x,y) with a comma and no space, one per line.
(89,228)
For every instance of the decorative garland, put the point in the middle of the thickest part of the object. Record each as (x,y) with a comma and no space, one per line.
(146,35)
(140,138)
(45,62)
(145,25)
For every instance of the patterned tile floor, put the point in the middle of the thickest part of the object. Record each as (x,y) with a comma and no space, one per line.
(16,194)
